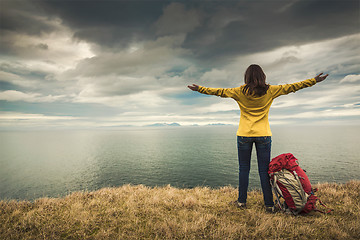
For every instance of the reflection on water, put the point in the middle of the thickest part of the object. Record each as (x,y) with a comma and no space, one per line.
(44,163)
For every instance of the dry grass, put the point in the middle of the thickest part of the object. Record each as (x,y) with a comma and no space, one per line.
(139,212)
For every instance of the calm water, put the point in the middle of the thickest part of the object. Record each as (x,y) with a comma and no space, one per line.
(55,163)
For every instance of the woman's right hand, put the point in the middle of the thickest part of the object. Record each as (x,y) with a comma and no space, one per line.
(320,78)
(194,87)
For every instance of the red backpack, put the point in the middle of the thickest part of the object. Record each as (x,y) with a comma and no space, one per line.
(291,183)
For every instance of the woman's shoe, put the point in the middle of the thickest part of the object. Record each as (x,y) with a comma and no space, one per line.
(272,209)
(238,204)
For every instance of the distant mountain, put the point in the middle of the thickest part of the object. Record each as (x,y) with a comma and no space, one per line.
(218,124)
(174,124)
(163,125)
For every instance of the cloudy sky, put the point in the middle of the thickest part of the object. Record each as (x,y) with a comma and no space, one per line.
(76,64)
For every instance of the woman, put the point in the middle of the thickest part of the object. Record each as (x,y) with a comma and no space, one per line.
(254,99)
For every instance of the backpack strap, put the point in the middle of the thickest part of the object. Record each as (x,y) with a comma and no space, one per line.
(277,193)
(322,204)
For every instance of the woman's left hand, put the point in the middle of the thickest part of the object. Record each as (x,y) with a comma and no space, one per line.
(320,78)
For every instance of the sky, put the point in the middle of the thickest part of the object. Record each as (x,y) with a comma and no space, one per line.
(98,64)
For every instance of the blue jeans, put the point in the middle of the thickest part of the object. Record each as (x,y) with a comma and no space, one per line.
(263,149)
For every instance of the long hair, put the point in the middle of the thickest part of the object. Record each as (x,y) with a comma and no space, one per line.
(255,81)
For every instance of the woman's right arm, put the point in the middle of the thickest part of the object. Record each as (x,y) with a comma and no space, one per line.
(278,90)
(222,92)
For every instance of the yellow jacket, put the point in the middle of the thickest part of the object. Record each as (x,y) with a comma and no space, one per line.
(254,115)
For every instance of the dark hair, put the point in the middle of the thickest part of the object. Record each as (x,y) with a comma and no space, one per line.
(255,81)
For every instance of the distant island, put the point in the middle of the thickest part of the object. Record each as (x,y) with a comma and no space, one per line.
(178,124)
(163,125)
(174,124)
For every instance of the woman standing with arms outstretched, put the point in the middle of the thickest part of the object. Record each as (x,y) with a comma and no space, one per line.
(255,98)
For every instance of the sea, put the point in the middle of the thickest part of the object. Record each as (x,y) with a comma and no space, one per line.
(55,163)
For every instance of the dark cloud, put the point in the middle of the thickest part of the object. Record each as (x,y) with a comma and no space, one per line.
(177,20)
(264,25)
(21,17)
(24,16)
(109,23)
(215,29)
(42,46)
(23,71)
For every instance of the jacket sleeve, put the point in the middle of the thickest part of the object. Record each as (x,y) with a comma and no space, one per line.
(278,90)
(221,92)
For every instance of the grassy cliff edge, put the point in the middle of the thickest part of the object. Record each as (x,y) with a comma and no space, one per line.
(140,212)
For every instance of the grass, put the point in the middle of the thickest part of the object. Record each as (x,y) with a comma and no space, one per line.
(140,212)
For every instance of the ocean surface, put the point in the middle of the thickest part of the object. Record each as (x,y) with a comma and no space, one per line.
(37,164)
